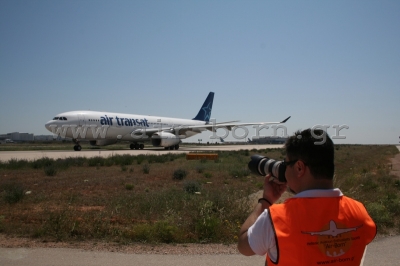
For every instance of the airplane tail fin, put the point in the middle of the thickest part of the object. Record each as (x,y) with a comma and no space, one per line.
(204,113)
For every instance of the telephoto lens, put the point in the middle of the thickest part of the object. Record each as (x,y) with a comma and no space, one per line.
(263,166)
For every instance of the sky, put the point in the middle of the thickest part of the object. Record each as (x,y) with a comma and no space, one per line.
(321,62)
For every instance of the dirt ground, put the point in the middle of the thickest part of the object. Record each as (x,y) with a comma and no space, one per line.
(395,165)
(136,248)
(183,249)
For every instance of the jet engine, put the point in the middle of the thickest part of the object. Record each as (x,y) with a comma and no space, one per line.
(102,142)
(165,139)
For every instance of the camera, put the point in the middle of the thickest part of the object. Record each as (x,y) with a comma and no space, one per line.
(263,165)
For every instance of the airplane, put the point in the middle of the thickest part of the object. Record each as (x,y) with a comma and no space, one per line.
(333,230)
(105,128)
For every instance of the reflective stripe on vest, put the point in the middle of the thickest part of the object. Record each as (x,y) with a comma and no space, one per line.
(321,231)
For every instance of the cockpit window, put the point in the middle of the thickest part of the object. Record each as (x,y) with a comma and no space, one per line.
(60,118)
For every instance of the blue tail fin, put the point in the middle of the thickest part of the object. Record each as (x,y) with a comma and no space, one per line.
(205,111)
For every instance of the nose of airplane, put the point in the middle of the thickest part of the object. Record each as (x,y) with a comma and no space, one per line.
(47,125)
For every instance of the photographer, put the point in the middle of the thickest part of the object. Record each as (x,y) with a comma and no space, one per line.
(318,225)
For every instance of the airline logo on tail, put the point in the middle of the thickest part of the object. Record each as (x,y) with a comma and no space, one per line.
(205,111)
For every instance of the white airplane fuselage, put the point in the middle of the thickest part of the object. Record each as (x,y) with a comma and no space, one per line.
(105,128)
(118,126)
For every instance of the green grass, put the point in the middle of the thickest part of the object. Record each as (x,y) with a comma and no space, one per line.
(105,198)
(12,192)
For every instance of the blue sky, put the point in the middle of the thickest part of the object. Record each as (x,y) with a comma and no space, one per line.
(322,62)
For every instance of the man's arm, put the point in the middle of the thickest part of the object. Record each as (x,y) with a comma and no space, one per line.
(243,244)
(272,192)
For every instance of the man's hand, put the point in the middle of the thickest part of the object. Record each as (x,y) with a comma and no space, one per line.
(272,189)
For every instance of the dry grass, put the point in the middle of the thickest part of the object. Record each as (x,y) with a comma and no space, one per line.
(115,199)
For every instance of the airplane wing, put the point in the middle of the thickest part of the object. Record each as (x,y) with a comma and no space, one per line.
(230,125)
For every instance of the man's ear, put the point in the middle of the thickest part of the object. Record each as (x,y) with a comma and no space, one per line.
(300,168)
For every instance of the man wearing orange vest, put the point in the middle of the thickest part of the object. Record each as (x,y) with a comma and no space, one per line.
(318,225)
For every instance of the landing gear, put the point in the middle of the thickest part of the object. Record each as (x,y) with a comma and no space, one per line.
(136,146)
(77,146)
(176,147)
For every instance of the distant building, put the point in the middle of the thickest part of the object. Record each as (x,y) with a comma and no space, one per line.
(44,138)
(268,140)
(18,137)
(23,137)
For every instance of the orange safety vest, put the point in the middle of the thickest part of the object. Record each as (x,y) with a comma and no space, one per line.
(321,231)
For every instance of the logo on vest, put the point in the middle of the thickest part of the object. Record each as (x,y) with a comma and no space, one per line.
(334,241)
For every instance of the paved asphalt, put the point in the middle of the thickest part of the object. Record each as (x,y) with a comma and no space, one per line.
(55,154)
(382,252)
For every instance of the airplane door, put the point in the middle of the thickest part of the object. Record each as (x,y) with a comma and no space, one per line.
(82,121)
(159,124)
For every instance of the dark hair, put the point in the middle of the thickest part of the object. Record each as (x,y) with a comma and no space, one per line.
(315,148)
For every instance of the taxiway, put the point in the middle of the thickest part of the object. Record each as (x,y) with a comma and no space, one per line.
(54,154)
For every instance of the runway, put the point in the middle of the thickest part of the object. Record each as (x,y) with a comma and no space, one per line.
(54,154)
(382,252)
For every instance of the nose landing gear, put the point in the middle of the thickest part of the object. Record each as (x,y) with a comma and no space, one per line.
(77,146)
